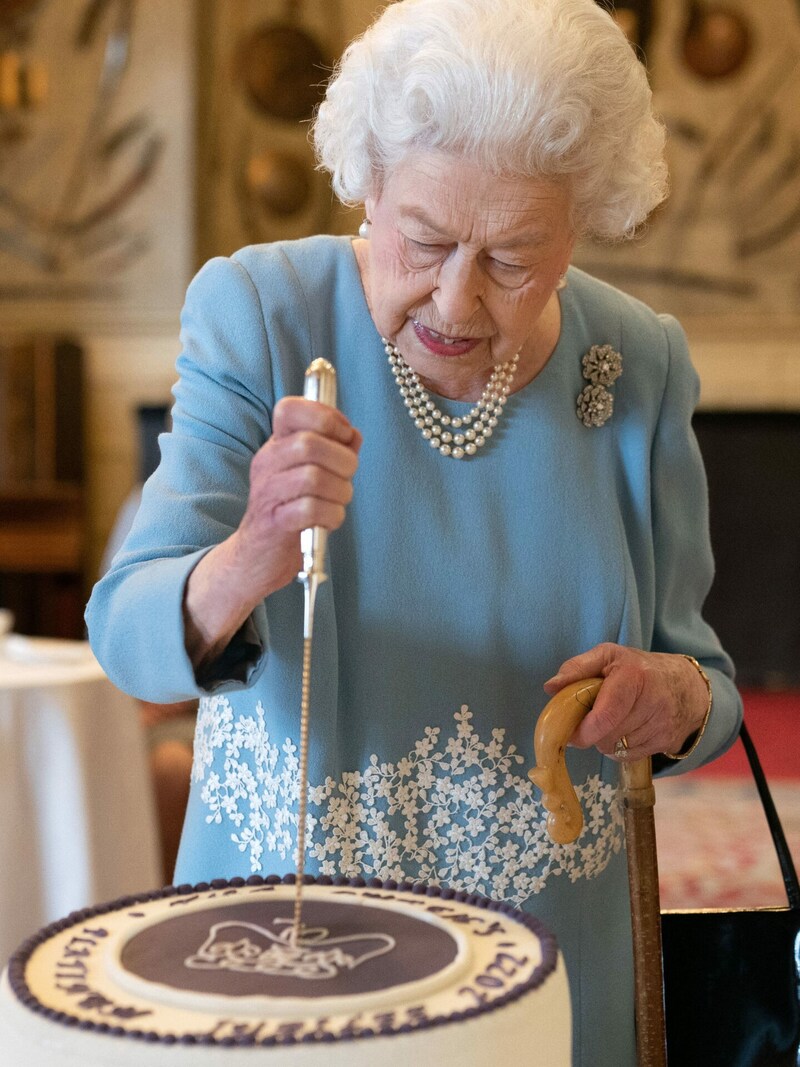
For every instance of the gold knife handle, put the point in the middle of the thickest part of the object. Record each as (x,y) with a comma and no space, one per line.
(319,385)
(555,726)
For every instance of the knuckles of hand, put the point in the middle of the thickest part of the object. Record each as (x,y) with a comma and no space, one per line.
(304,446)
(311,480)
(296,414)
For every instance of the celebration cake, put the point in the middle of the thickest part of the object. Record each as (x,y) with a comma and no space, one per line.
(193,975)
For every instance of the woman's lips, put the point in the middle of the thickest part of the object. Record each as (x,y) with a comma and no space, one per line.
(440,344)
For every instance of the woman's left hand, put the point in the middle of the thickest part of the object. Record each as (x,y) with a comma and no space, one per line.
(654,700)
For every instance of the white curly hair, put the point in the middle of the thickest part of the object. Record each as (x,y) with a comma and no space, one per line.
(540,88)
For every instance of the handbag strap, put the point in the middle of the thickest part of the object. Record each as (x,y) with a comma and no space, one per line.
(778,837)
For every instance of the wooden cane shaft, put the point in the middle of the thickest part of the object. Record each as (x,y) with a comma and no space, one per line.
(646,928)
(553,731)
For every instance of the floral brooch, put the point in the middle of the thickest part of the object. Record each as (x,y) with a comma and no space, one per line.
(602,365)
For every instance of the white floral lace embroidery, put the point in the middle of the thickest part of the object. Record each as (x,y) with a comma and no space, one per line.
(451,811)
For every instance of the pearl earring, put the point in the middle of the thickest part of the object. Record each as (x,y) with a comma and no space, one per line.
(363,229)
(562,281)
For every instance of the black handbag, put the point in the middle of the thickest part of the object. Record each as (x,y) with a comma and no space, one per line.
(732,978)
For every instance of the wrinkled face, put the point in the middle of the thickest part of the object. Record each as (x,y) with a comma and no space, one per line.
(461,265)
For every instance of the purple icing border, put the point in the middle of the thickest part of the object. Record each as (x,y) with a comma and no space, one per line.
(17,962)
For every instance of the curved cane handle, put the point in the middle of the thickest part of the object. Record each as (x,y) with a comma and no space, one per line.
(556,725)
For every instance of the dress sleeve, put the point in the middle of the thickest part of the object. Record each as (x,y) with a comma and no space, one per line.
(684,566)
(194,500)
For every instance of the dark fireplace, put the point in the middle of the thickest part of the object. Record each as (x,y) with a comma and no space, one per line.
(753,464)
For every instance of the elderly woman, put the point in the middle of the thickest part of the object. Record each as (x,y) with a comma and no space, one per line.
(517,498)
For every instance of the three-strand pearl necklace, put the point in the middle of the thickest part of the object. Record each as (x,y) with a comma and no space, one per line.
(453,436)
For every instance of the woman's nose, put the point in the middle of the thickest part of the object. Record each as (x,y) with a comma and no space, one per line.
(458,291)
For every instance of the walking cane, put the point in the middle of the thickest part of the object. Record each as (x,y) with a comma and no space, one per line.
(555,727)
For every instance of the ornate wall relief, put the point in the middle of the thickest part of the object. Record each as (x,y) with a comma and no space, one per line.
(95,172)
(723,253)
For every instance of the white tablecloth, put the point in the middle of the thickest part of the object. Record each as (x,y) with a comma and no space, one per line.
(77,820)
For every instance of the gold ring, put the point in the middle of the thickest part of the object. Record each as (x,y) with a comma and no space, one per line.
(621,747)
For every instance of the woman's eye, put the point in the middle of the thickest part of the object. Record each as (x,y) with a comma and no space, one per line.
(422,253)
(502,265)
(507,275)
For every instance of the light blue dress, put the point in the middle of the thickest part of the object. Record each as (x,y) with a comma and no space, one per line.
(456,588)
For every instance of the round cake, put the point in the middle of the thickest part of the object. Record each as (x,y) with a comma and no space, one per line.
(190,975)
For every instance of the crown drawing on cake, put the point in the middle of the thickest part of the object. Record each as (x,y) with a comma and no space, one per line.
(250,949)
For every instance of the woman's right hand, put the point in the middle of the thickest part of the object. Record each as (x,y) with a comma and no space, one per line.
(301,477)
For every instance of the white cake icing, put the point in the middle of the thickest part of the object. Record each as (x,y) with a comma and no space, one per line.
(382,975)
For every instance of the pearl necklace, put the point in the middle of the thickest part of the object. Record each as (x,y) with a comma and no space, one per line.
(434,426)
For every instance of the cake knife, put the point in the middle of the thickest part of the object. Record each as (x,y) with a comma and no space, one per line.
(319,385)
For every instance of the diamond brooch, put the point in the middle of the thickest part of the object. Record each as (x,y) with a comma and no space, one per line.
(602,365)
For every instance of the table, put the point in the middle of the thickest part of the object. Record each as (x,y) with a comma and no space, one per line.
(77,818)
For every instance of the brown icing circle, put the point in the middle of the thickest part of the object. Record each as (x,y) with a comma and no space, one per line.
(241,950)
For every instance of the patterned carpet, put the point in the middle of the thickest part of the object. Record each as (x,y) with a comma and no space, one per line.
(714,846)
